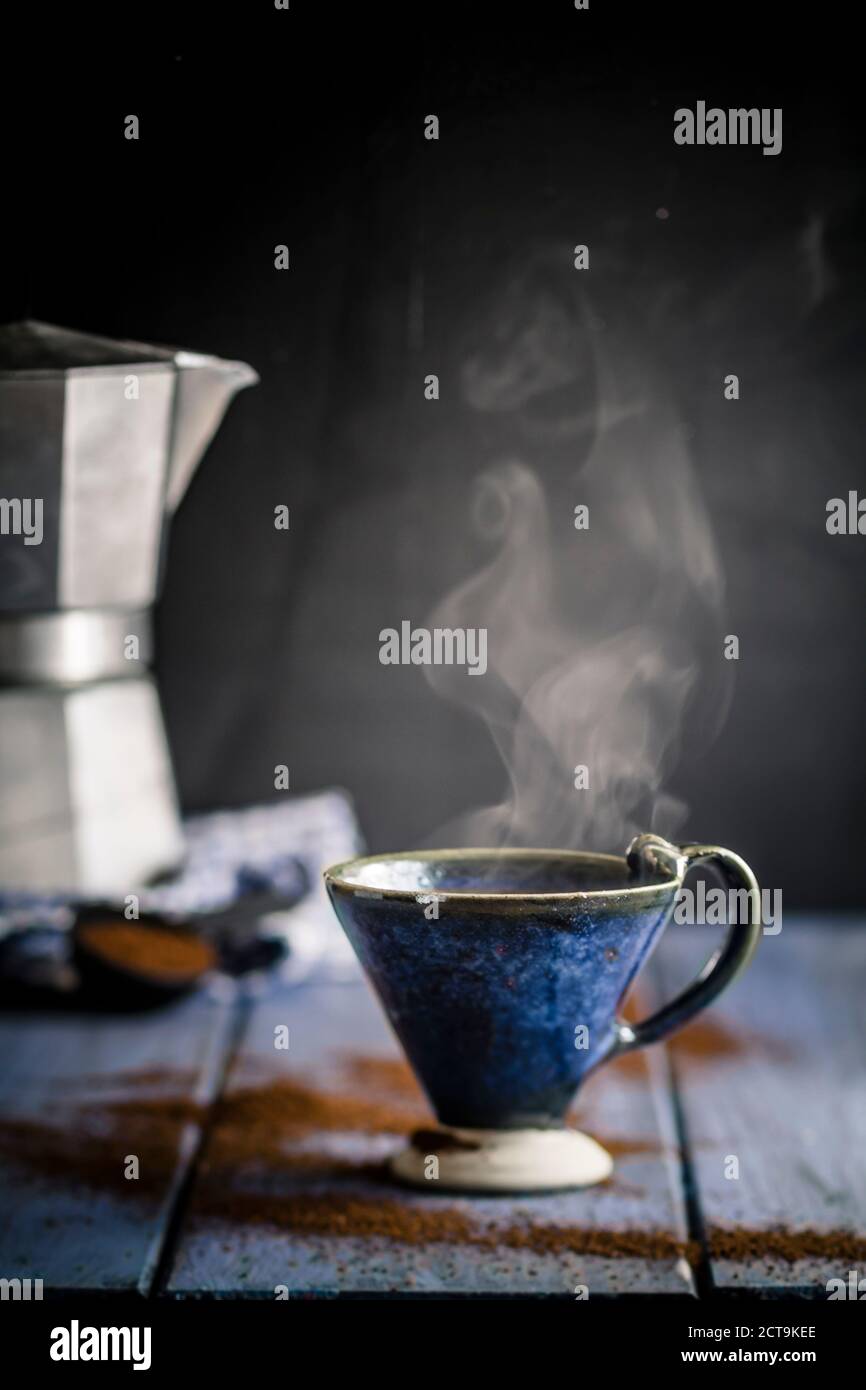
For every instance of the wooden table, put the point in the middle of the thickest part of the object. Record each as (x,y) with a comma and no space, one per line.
(750,1131)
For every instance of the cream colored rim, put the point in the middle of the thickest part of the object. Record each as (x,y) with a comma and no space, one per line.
(335,876)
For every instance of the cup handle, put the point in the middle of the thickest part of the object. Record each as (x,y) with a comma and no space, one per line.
(732,956)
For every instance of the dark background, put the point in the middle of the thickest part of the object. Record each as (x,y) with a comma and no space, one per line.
(261,127)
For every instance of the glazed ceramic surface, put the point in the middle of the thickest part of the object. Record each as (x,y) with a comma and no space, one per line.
(501,972)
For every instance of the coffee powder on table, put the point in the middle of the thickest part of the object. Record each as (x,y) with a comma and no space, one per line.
(252,1131)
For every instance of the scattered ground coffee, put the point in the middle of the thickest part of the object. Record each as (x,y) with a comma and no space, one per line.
(262,1164)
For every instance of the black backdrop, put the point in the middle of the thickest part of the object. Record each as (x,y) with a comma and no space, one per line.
(261,127)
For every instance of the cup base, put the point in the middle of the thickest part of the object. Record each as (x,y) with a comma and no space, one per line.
(501,1160)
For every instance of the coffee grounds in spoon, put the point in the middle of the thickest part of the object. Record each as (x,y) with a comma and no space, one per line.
(147,950)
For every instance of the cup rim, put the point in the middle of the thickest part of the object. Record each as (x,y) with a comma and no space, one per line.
(333,876)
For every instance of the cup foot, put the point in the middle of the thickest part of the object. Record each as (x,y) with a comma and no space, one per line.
(501,1160)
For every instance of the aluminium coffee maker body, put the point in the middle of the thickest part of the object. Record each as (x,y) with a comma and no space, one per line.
(98,442)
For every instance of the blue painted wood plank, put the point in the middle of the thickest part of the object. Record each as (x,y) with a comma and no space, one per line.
(76,1099)
(258,1227)
(774,1100)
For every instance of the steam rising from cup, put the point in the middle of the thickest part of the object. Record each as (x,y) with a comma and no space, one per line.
(602,639)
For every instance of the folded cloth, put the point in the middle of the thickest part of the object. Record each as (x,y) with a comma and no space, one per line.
(274,851)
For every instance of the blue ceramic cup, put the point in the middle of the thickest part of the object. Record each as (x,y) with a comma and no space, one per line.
(502,971)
